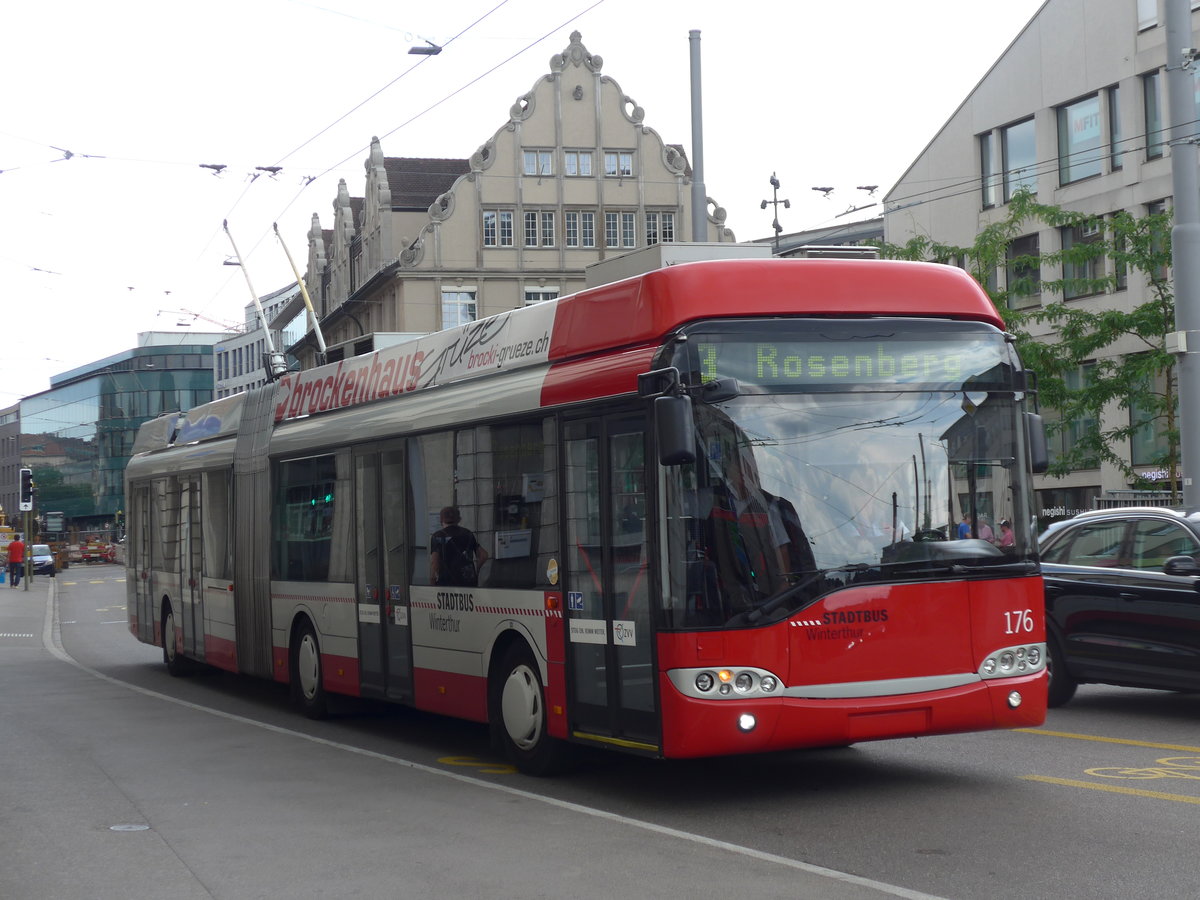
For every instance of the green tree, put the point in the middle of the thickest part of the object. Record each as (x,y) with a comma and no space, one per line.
(1140,380)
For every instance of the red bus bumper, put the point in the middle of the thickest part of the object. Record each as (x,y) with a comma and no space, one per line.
(694,727)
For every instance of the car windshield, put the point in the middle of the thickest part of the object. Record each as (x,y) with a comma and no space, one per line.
(41,549)
(796,493)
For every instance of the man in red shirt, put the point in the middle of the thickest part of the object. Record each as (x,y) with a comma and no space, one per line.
(16,561)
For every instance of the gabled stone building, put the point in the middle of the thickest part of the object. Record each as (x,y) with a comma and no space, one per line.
(573,177)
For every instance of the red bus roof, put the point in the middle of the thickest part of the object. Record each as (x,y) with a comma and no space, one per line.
(643,309)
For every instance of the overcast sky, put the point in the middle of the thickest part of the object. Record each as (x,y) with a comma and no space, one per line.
(112,110)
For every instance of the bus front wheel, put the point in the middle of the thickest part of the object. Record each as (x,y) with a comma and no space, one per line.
(308,689)
(519,715)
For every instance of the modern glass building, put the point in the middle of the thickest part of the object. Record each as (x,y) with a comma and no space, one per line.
(78,435)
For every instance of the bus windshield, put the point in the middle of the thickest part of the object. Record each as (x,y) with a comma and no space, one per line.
(853,452)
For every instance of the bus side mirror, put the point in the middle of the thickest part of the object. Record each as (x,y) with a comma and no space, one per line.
(1039,455)
(674,430)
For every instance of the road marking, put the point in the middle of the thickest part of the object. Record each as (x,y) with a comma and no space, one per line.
(53,644)
(1108,740)
(1113,789)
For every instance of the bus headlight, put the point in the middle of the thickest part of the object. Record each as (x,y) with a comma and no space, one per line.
(1007,662)
(742,682)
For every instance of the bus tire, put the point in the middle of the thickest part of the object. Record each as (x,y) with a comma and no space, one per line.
(1061,686)
(307,678)
(176,663)
(519,716)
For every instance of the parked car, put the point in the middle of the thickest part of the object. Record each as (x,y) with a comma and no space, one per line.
(1123,600)
(43,560)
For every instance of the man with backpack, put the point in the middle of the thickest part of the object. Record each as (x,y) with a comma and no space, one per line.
(455,557)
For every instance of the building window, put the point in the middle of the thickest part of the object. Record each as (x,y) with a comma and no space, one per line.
(581,228)
(612,230)
(540,295)
(1148,444)
(1120,269)
(1019,146)
(660,228)
(458,307)
(1115,158)
(1073,431)
(989,174)
(1083,260)
(1147,13)
(1155,136)
(577,163)
(1079,140)
(539,162)
(620,229)
(539,229)
(618,163)
(497,228)
(1158,240)
(1024,272)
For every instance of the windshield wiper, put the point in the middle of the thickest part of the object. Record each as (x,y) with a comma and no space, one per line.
(962,566)
(774,602)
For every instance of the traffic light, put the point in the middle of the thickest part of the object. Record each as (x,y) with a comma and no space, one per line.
(26,490)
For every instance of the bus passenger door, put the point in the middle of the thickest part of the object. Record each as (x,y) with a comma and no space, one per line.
(191,591)
(610,643)
(385,641)
(138,548)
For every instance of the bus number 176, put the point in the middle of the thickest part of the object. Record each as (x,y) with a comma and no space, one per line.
(1018,621)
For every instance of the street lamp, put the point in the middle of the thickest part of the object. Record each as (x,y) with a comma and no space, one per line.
(787,204)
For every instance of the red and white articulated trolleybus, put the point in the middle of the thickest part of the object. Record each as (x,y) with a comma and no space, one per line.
(720,504)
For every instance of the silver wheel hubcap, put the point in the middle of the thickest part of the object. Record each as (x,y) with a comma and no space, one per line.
(521,707)
(308,666)
(169,636)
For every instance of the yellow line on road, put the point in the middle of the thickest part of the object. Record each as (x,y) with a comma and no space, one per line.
(1107,740)
(1112,789)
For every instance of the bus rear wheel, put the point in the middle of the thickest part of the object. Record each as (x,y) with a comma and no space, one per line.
(519,715)
(308,688)
(176,664)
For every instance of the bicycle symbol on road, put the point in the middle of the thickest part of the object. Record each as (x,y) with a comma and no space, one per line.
(1168,767)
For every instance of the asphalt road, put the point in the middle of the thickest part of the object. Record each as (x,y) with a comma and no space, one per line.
(120,781)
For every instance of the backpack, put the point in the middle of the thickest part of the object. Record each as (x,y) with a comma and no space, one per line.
(458,567)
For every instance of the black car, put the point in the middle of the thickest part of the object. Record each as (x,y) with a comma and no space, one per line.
(1123,600)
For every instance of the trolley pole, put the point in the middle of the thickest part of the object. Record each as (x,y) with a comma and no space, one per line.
(273,360)
(1185,240)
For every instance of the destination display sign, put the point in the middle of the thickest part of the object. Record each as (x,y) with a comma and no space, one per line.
(787,363)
